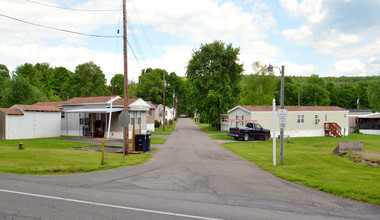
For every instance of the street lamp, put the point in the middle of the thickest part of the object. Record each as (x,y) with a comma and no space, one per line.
(282,124)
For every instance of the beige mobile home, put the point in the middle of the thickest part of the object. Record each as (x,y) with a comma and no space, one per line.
(301,121)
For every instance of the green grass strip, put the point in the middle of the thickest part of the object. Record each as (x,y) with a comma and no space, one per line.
(310,161)
(50,156)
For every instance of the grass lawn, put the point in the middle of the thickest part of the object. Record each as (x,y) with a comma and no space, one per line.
(221,137)
(157,140)
(310,161)
(168,129)
(51,156)
(209,130)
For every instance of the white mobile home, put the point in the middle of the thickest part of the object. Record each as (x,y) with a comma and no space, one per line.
(90,116)
(301,121)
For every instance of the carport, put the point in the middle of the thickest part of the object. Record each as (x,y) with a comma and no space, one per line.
(96,125)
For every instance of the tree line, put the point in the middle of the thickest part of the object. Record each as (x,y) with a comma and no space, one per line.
(214,83)
(30,83)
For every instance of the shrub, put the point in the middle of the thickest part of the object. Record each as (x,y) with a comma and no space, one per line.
(157,124)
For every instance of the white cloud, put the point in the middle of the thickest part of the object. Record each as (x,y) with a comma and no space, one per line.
(311,10)
(293,69)
(354,67)
(174,60)
(334,26)
(205,20)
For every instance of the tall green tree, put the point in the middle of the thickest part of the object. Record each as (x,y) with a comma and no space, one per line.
(259,87)
(213,75)
(373,93)
(4,78)
(45,73)
(346,95)
(88,80)
(20,91)
(150,85)
(4,72)
(60,82)
(361,93)
(314,92)
(27,71)
(117,84)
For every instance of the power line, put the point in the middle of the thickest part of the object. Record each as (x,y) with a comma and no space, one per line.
(59,29)
(134,54)
(142,27)
(135,40)
(73,9)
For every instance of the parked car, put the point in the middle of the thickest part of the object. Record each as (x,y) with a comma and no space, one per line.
(182,116)
(252,130)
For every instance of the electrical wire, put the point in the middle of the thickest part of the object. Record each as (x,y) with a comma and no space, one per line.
(134,54)
(134,39)
(142,27)
(73,9)
(59,29)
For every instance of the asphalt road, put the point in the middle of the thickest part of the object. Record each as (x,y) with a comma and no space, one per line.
(190,177)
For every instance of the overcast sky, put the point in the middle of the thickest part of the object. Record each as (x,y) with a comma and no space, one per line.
(324,37)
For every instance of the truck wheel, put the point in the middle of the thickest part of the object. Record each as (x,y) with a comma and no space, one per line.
(246,137)
(236,138)
(266,137)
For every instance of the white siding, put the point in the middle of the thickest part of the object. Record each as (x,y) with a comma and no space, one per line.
(309,128)
(33,125)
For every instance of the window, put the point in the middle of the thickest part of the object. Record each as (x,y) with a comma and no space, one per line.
(83,121)
(300,118)
(62,114)
(150,112)
(325,118)
(224,118)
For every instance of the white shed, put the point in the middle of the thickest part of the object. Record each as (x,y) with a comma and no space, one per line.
(30,121)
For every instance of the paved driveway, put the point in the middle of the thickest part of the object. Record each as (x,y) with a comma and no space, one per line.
(191,176)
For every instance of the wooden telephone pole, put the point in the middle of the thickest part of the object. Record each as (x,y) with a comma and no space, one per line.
(126,104)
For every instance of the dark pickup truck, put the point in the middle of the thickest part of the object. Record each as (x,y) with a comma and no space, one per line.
(252,130)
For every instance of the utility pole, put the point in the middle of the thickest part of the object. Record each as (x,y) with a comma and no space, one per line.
(126,104)
(164,122)
(173,104)
(358,102)
(282,107)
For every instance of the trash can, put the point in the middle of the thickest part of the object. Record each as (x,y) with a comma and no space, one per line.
(148,137)
(140,142)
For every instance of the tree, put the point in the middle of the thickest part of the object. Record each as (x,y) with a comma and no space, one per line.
(117,84)
(331,88)
(150,85)
(19,91)
(45,73)
(60,82)
(259,87)
(27,71)
(4,72)
(373,93)
(4,78)
(361,91)
(314,92)
(346,95)
(213,75)
(88,80)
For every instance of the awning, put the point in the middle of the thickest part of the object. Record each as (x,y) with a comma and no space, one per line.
(94,110)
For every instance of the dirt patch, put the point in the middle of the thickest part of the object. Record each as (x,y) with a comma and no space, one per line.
(366,158)
(112,149)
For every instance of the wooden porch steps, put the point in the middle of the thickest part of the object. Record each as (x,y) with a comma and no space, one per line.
(333,129)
